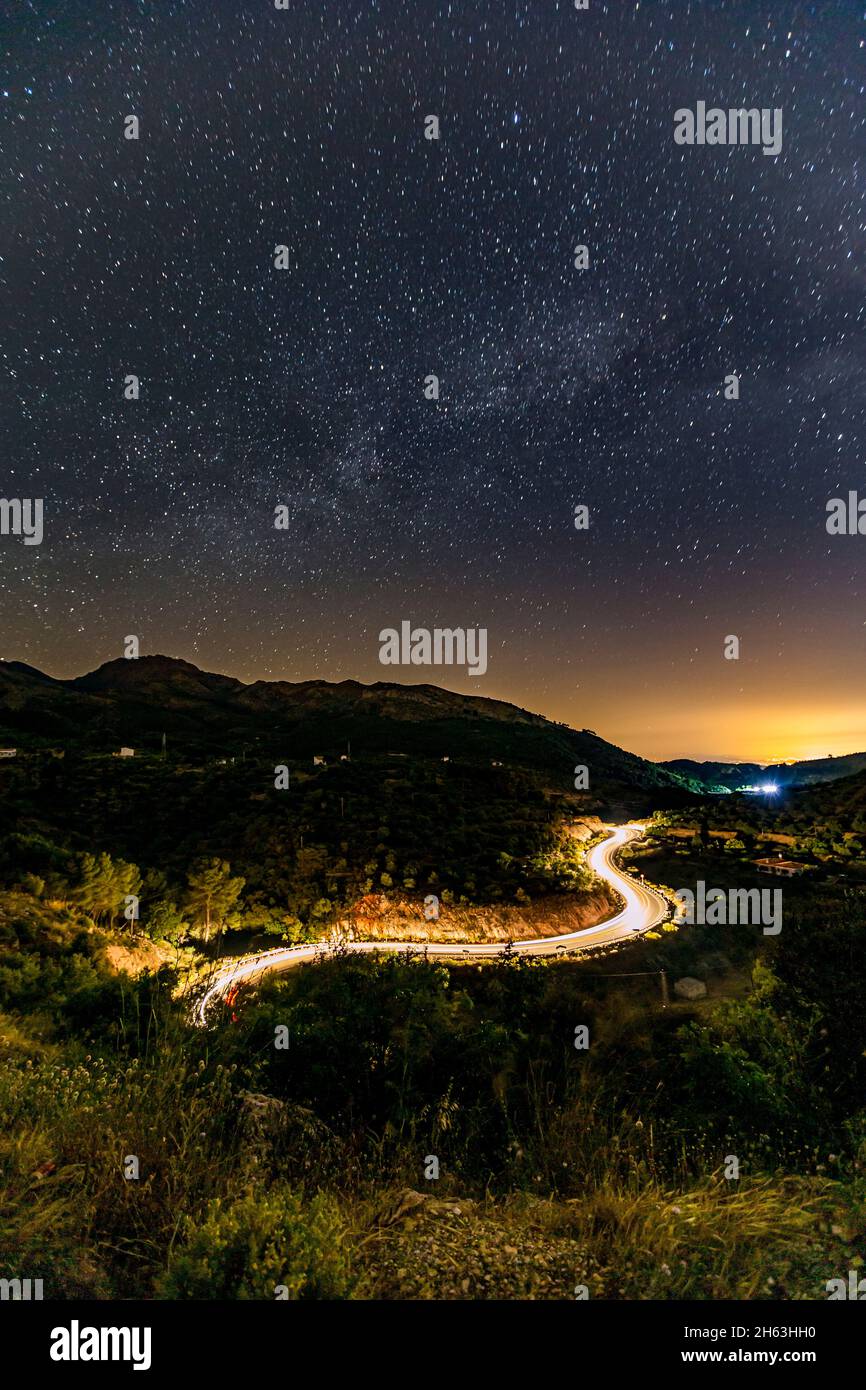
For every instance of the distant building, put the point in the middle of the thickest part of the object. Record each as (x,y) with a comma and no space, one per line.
(782,868)
(8,752)
(125,753)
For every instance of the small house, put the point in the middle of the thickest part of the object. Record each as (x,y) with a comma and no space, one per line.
(782,868)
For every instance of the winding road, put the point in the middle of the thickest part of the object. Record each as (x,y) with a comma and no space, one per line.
(644,908)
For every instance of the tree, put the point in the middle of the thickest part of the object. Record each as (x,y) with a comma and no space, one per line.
(311,862)
(164,921)
(211,893)
(104,884)
(268,917)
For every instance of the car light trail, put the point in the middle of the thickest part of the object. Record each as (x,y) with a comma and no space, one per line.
(644,908)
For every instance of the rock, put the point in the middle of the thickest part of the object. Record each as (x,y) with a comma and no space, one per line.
(268,1127)
(716,963)
(414,1204)
(450,1207)
(260,1109)
(397,1209)
(690,988)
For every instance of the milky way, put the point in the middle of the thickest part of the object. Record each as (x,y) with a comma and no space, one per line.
(455,257)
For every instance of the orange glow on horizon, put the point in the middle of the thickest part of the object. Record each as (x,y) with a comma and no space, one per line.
(735,736)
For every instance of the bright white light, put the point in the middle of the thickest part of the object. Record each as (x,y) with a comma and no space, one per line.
(769,787)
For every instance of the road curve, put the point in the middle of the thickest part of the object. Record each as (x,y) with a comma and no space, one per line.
(644,908)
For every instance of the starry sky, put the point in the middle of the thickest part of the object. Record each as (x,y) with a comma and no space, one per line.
(559,386)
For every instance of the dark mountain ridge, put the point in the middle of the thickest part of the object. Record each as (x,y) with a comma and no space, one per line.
(718,776)
(204,714)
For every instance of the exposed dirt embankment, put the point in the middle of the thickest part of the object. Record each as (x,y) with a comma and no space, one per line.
(135,956)
(377,918)
(586,828)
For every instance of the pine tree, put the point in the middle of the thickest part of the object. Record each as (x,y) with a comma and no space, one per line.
(211,892)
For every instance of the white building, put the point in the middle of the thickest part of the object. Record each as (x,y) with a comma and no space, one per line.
(8,752)
(782,868)
(126,753)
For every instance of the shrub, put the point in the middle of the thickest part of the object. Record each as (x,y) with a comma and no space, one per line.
(264,1241)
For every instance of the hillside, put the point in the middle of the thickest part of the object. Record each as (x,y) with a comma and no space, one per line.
(715,776)
(844,800)
(208,715)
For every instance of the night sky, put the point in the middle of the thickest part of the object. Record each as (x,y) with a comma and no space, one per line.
(559,387)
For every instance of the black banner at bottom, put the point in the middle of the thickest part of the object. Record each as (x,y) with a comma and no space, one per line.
(233,1340)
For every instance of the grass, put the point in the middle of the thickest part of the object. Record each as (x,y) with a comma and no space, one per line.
(68,1214)
(560,1172)
(760,1240)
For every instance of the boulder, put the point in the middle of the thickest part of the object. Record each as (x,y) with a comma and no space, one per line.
(690,988)
(409,1204)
